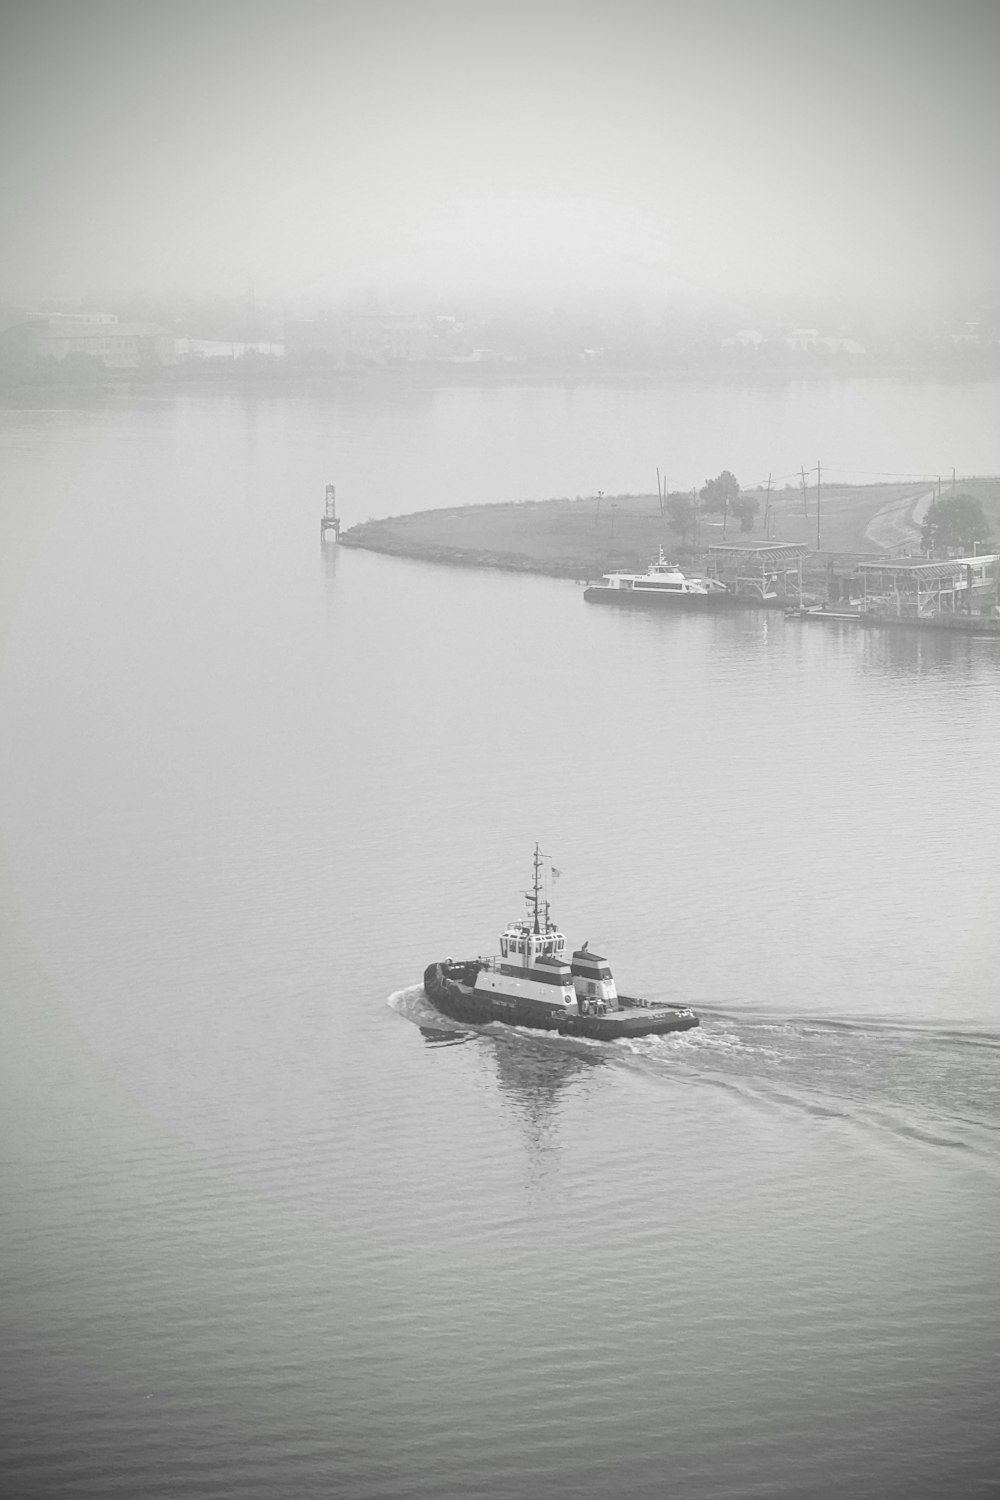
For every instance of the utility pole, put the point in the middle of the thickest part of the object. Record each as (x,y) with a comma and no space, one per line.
(767,508)
(805,494)
(600,497)
(818,477)
(614,508)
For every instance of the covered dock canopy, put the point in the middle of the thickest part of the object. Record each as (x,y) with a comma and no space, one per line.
(768,570)
(918,587)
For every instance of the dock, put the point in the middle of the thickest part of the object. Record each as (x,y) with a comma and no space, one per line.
(818,612)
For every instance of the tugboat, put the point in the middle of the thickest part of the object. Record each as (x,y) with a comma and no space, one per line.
(663,585)
(532,983)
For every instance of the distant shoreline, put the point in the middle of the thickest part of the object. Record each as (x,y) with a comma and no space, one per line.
(239,375)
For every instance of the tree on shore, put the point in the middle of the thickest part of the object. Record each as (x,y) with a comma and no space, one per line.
(681,513)
(747,510)
(954,521)
(720,494)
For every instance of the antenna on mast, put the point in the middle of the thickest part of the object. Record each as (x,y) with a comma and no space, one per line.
(537,886)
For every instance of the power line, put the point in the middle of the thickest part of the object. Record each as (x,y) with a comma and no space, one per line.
(830,470)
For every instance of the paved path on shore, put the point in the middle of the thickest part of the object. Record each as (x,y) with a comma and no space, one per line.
(896,527)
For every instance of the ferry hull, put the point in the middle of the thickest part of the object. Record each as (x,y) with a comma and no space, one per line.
(658,599)
(462,1002)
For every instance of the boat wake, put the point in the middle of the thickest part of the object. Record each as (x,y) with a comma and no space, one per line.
(933,1085)
(927,1083)
(411,1003)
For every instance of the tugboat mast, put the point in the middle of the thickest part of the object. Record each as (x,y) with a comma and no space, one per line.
(536,888)
(539,911)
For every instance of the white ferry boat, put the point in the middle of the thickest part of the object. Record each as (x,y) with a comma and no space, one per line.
(532,982)
(663,585)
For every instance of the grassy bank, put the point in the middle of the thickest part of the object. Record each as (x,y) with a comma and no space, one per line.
(584,537)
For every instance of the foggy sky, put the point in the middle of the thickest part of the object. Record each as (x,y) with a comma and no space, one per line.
(162,146)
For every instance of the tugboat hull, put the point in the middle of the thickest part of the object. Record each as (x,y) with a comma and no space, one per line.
(461,1001)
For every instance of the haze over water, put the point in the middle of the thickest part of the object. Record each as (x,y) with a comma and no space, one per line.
(270,1227)
(551,151)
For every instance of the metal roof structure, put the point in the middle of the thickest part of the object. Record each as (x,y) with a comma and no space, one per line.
(924,571)
(762,552)
(918,588)
(763,570)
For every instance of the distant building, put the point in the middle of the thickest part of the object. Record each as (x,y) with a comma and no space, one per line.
(747,338)
(450,339)
(810,338)
(322,341)
(482,357)
(387,338)
(82,320)
(227,348)
(100,336)
(371,338)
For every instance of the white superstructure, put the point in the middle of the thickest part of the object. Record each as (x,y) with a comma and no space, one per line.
(661,577)
(532,964)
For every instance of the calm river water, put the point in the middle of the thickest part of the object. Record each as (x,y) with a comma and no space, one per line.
(269,1228)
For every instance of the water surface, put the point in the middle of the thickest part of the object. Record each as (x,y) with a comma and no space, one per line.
(270,1226)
